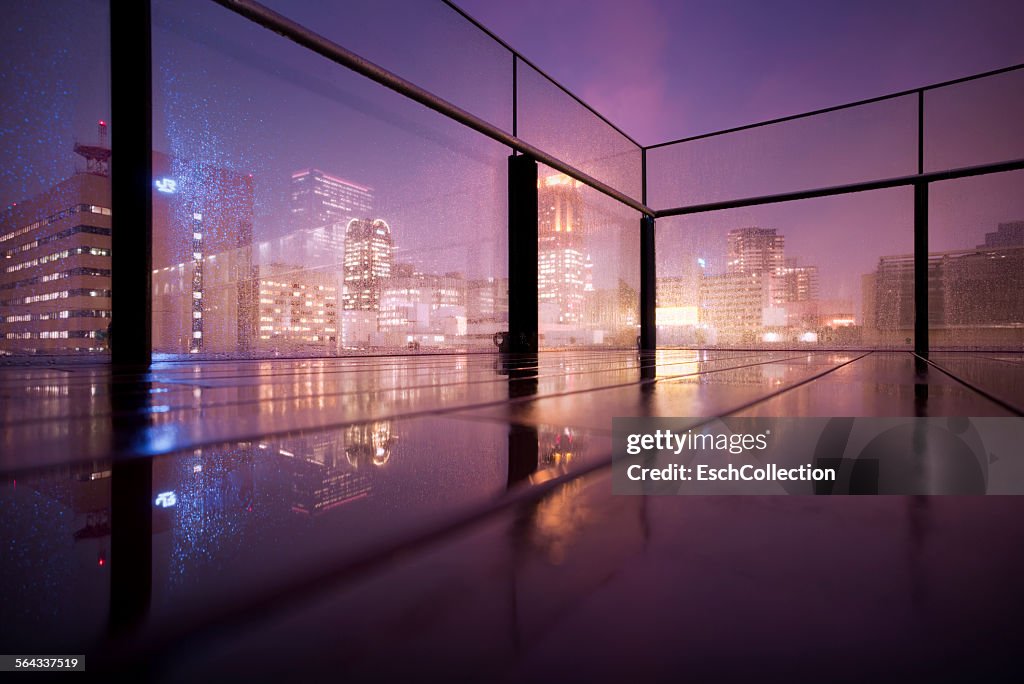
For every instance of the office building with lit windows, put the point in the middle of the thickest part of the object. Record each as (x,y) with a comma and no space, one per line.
(562,259)
(368,253)
(55,282)
(321,199)
(298,310)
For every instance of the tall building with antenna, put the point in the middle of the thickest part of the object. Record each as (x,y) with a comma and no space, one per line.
(55,257)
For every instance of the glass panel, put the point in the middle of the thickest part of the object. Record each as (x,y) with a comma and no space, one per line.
(55,181)
(301,209)
(976,264)
(556,123)
(589,266)
(976,122)
(427,43)
(863,143)
(812,273)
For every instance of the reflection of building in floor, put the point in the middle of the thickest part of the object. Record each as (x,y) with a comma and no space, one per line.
(329,469)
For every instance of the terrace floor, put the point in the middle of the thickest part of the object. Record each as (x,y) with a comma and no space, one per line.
(379,518)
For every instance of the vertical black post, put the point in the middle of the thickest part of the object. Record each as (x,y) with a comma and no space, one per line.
(522,254)
(648,287)
(921,269)
(131,504)
(131,182)
(920,242)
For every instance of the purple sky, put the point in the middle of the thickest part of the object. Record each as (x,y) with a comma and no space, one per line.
(663,69)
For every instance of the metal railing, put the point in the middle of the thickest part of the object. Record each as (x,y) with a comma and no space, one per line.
(131,35)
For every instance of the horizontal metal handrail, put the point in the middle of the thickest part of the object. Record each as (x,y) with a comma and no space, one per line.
(892,182)
(313,41)
(518,55)
(836,108)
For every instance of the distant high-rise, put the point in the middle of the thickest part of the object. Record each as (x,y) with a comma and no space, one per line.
(761,291)
(975,296)
(561,258)
(319,199)
(797,282)
(755,251)
(1006,235)
(368,254)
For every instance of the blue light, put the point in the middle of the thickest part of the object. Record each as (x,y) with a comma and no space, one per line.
(701,262)
(166,185)
(166,499)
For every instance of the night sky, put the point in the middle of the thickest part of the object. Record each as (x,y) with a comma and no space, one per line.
(236,95)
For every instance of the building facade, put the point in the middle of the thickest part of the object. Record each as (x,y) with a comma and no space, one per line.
(321,199)
(562,258)
(55,283)
(298,310)
(202,212)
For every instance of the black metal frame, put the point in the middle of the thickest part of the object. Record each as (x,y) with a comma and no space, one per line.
(836,108)
(523,252)
(131,186)
(919,181)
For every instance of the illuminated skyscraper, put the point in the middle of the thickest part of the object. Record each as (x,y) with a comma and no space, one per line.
(761,291)
(319,199)
(755,251)
(562,260)
(368,253)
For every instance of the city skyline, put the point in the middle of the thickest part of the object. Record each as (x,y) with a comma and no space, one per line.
(212,212)
(416,163)
(276,116)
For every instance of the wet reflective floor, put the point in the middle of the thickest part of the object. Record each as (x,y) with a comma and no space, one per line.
(395,517)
